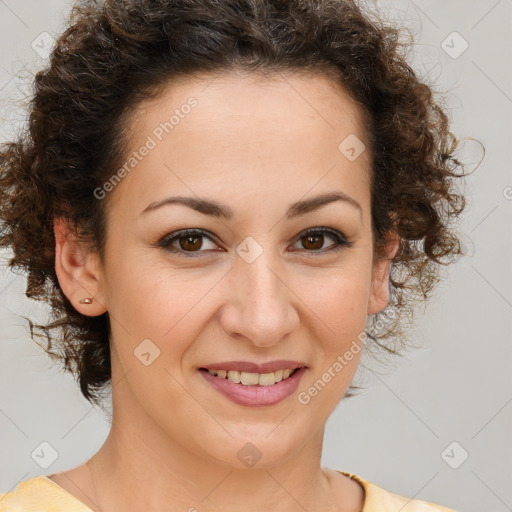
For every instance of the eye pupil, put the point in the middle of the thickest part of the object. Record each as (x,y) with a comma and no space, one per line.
(313,237)
(190,239)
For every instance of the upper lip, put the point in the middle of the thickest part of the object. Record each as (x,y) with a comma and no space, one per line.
(245,366)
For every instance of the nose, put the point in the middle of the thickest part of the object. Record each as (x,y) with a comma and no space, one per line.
(261,306)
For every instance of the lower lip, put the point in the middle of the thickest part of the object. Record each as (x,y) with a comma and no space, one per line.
(255,396)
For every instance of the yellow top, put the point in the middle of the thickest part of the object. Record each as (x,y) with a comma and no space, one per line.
(40,494)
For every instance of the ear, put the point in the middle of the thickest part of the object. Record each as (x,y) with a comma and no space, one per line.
(78,270)
(379,292)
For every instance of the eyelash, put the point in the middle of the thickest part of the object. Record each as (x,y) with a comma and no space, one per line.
(340,241)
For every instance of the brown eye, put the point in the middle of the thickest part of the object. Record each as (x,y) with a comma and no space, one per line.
(187,242)
(190,243)
(313,240)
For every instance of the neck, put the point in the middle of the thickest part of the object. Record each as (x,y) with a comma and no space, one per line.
(140,467)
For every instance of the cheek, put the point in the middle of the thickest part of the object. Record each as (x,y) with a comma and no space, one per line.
(340,300)
(159,312)
(147,295)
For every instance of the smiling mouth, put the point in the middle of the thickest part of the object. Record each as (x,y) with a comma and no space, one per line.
(252,379)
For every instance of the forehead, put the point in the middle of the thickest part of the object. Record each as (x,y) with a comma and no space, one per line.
(300,97)
(317,102)
(245,128)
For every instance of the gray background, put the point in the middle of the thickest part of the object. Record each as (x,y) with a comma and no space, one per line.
(455,389)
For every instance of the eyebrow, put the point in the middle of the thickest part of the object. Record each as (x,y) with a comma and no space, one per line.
(215,209)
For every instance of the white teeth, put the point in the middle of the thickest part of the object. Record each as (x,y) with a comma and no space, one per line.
(266,379)
(252,379)
(249,379)
(234,376)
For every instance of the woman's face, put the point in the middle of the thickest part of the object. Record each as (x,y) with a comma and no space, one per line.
(254,286)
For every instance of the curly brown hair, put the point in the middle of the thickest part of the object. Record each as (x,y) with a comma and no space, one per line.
(117,53)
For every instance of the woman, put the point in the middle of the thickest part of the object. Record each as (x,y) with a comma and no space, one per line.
(224,203)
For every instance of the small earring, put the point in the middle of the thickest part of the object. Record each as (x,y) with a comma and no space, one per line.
(88,300)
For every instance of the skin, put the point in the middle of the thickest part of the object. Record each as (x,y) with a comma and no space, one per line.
(256,144)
